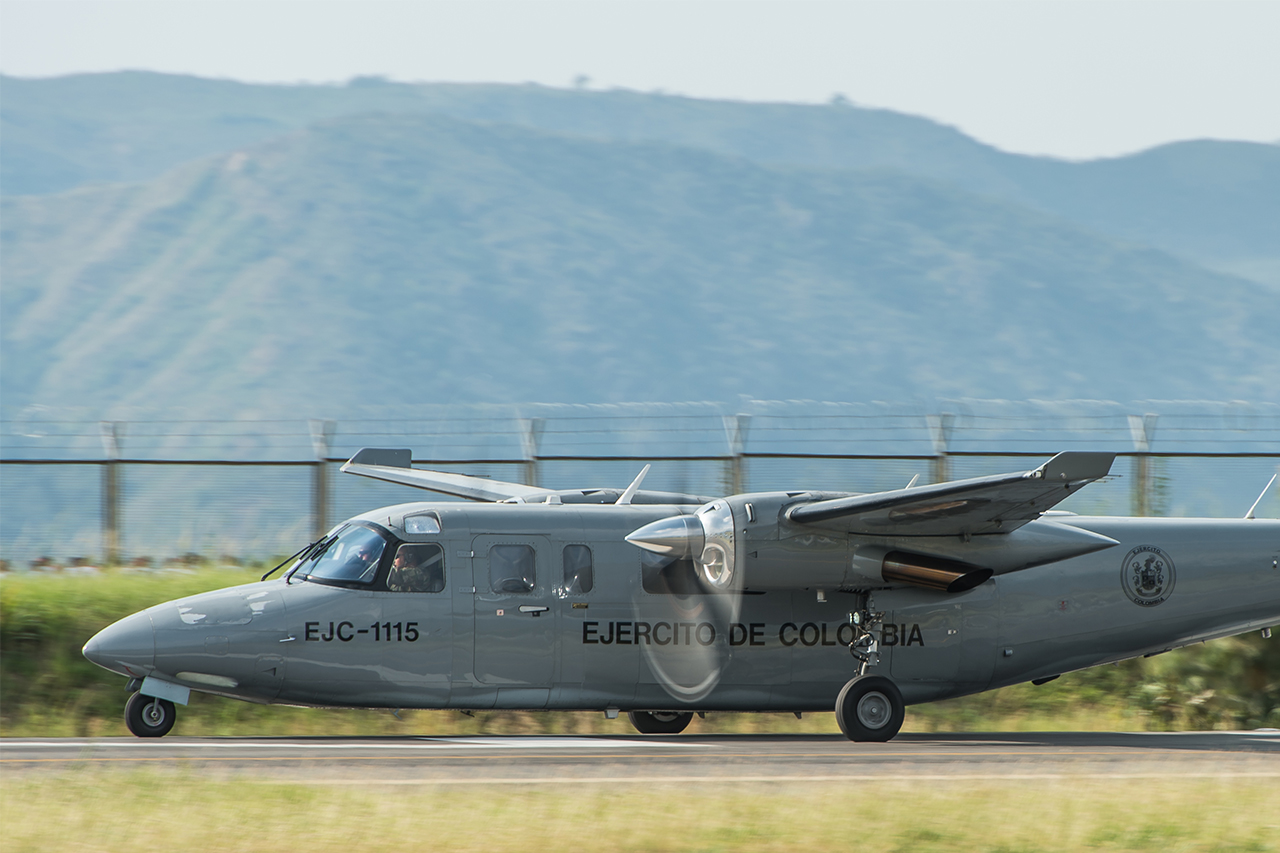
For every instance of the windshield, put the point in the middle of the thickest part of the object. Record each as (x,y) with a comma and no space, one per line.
(352,557)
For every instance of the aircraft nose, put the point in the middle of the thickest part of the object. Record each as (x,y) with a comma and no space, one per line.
(127,647)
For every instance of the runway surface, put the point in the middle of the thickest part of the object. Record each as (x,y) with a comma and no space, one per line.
(544,760)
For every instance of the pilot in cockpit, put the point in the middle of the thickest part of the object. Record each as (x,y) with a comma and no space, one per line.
(362,560)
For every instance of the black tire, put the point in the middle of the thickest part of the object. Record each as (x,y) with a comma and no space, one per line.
(147,716)
(660,722)
(870,708)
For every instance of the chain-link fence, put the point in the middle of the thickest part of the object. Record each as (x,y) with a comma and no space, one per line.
(157,490)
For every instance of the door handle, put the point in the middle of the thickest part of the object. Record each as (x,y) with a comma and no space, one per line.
(535,609)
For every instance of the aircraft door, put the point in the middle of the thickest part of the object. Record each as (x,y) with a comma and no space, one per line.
(515,614)
(415,636)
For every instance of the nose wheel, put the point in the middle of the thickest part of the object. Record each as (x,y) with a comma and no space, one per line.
(147,716)
(870,708)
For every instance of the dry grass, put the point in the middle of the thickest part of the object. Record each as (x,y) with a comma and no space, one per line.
(116,810)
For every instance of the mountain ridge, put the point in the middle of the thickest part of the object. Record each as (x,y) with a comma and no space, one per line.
(375,258)
(1173,197)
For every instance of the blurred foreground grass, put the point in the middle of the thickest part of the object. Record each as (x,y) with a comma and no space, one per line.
(47,688)
(95,809)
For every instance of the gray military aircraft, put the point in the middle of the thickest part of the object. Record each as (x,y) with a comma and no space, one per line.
(665,605)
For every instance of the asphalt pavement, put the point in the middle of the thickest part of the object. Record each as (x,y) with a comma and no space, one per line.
(542,760)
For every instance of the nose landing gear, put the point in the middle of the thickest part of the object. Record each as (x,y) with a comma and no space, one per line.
(148,716)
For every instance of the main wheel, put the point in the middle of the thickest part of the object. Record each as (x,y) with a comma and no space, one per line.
(147,716)
(660,722)
(870,708)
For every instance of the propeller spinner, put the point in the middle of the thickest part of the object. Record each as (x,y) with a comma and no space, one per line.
(706,536)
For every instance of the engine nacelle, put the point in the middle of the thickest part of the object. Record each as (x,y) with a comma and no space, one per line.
(743,542)
(707,536)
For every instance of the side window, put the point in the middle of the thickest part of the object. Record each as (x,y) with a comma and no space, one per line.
(511,568)
(578,577)
(417,568)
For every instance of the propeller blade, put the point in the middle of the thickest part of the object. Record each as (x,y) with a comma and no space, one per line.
(690,580)
(689,647)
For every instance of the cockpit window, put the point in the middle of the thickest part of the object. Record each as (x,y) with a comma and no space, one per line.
(417,568)
(425,523)
(351,557)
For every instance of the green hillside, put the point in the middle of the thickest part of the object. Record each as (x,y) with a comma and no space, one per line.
(415,258)
(1215,203)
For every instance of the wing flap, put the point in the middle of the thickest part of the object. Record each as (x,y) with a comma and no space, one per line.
(995,504)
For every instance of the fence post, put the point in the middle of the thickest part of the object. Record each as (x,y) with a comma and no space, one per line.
(530,437)
(735,429)
(112,433)
(1143,430)
(940,433)
(322,433)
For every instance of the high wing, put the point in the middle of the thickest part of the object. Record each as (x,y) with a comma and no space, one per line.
(996,504)
(394,467)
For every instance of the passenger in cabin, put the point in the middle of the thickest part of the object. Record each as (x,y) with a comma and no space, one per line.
(398,579)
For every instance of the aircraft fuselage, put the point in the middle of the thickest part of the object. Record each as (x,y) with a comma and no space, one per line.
(512,627)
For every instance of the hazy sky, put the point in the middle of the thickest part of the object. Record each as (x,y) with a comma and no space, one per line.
(1077,78)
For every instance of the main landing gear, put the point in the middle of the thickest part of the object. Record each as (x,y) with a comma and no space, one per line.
(870,708)
(147,716)
(660,722)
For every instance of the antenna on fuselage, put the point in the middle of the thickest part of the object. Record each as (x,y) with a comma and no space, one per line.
(625,498)
(1249,514)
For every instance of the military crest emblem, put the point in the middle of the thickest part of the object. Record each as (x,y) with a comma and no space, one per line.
(1147,575)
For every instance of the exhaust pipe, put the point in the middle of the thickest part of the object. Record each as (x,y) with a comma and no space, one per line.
(932,572)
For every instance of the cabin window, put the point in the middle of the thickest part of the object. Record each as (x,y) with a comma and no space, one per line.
(417,568)
(662,575)
(578,578)
(511,568)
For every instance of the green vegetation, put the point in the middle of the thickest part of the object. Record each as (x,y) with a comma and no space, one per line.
(48,688)
(119,810)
